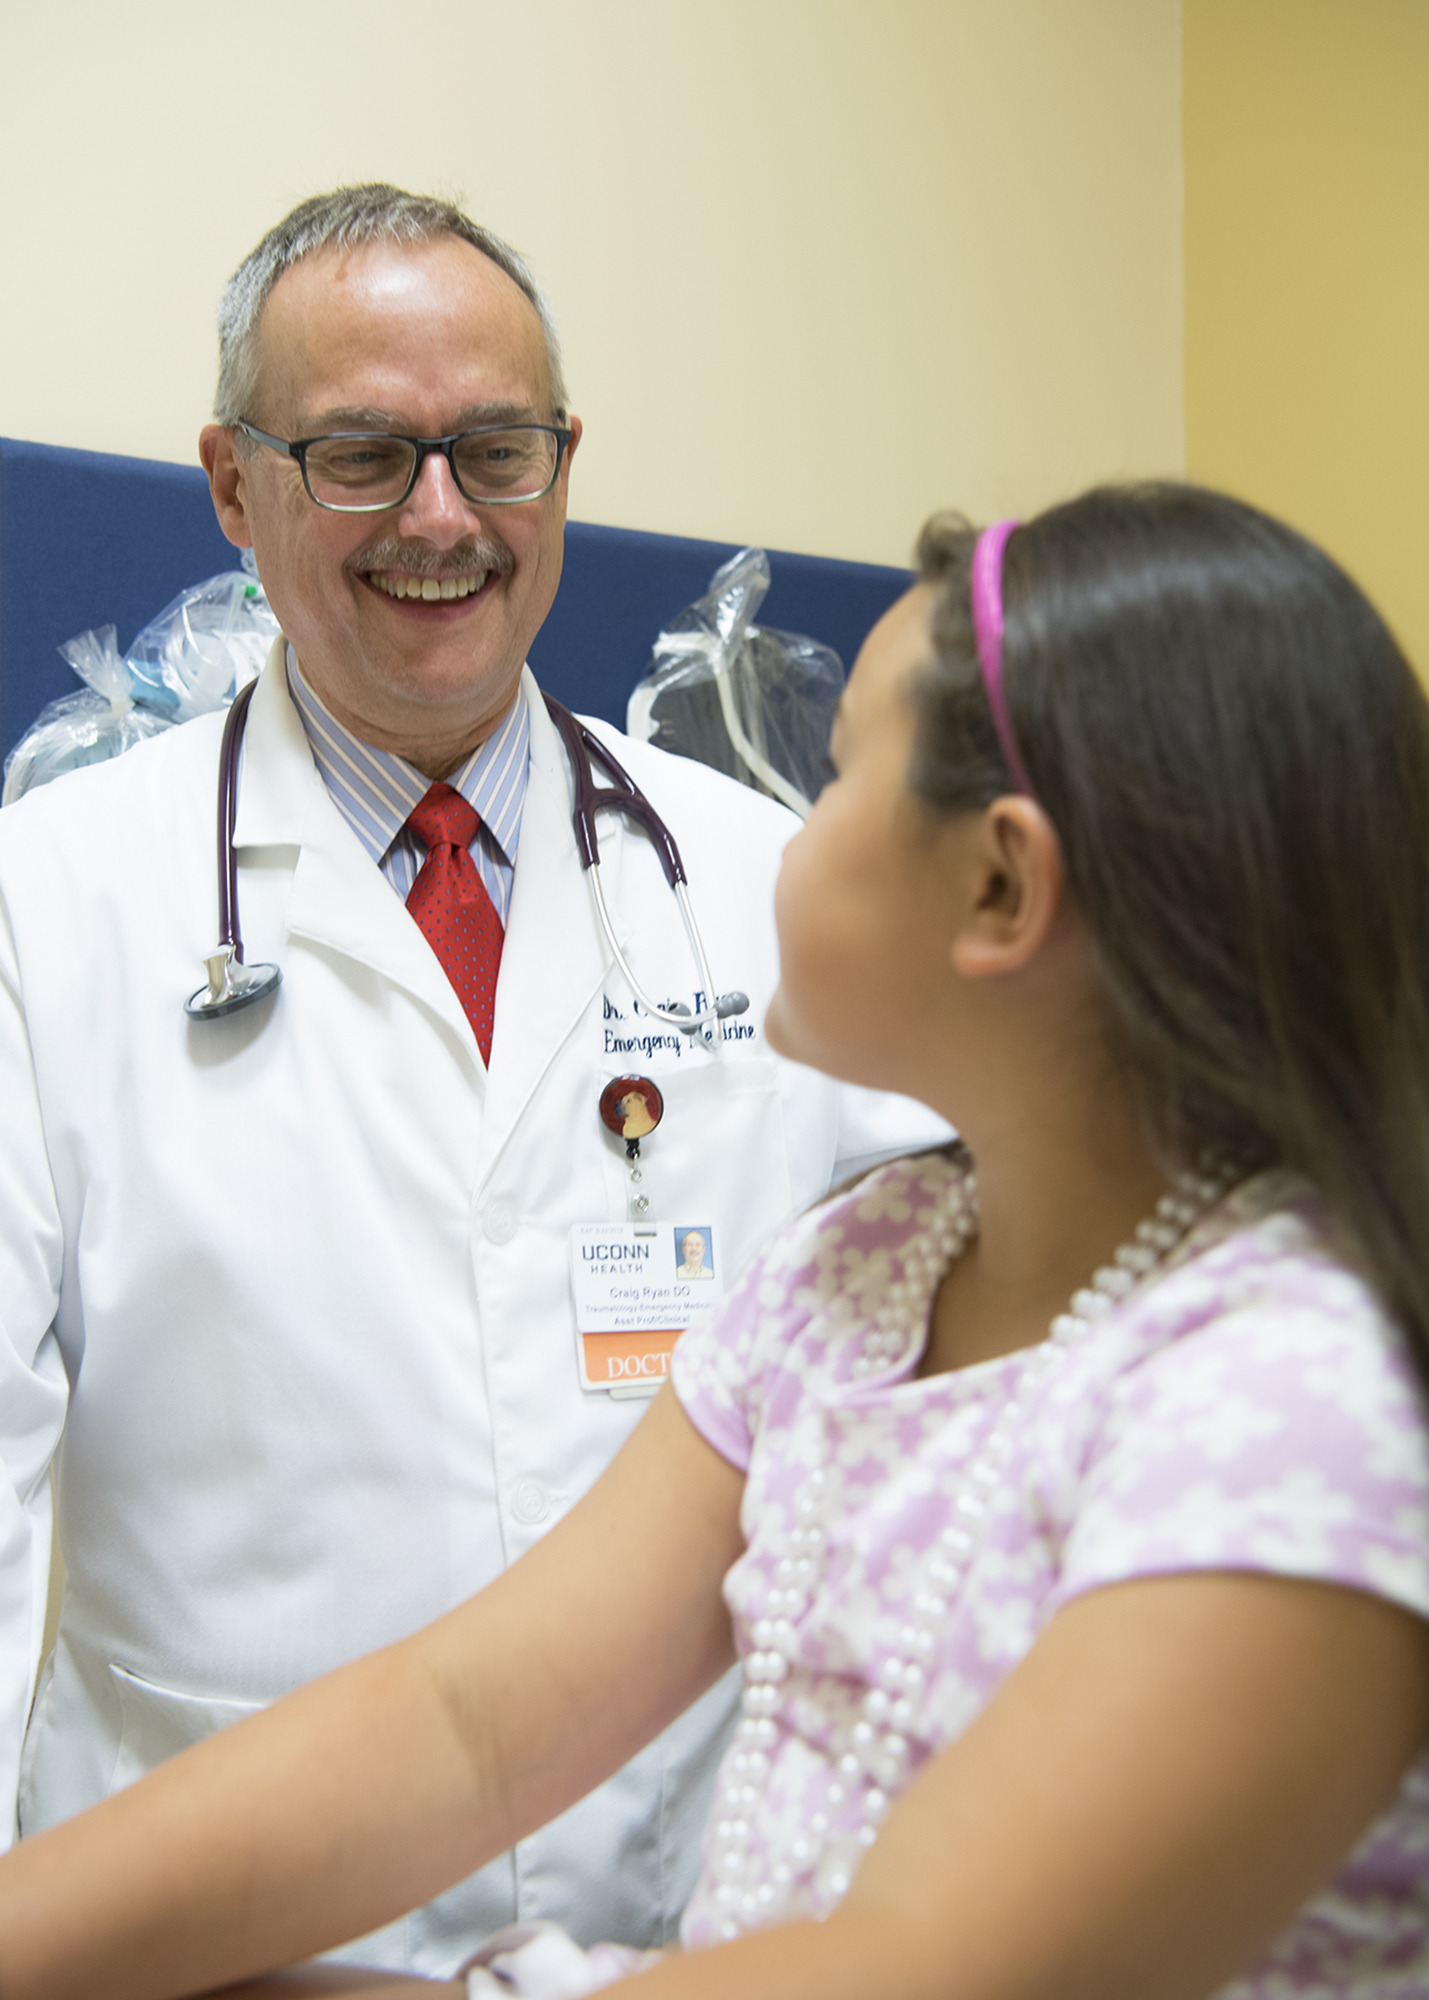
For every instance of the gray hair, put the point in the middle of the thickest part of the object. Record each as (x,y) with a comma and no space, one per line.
(342,220)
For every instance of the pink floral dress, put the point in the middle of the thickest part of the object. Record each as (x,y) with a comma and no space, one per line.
(1246,1408)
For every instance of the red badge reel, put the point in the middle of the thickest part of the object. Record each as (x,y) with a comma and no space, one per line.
(631,1107)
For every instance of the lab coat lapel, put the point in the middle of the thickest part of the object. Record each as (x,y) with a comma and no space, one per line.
(339,899)
(555,957)
(276,772)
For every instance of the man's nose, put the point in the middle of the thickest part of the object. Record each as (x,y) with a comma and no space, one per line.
(434,510)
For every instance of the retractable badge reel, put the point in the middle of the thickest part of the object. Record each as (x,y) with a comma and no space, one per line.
(631,1107)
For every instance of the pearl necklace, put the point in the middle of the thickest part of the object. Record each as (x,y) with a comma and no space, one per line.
(875,1751)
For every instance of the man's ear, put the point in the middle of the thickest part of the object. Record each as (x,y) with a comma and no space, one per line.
(563,482)
(1018,890)
(226,482)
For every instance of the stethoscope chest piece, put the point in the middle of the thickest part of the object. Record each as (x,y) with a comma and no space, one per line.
(231,985)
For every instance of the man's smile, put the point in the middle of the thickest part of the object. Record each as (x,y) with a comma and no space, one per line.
(431,589)
(414,572)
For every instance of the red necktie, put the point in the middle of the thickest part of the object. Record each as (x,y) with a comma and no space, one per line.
(450,903)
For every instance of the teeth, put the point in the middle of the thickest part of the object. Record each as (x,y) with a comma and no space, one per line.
(430,589)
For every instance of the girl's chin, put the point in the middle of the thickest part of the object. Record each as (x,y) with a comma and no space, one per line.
(781,1032)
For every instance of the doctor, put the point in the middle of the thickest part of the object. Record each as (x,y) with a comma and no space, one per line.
(290,1291)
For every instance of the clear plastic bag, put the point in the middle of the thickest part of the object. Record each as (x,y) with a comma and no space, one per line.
(84,728)
(751,702)
(205,645)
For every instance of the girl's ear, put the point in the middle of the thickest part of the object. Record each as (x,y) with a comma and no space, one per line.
(1017,890)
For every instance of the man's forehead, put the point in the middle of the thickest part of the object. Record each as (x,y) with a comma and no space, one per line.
(335,266)
(340,319)
(459,416)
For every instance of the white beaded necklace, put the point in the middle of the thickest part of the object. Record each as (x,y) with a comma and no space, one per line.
(875,1749)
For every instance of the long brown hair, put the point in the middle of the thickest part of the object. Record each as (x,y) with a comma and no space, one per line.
(1235,755)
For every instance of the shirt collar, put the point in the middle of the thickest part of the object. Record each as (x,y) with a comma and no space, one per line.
(375,790)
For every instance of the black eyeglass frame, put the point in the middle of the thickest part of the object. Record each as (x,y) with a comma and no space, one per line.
(297,448)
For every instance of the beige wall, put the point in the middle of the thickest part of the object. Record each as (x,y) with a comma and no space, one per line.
(1307,277)
(820,265)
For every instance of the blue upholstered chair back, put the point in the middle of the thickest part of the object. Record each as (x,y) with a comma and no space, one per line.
(87,539)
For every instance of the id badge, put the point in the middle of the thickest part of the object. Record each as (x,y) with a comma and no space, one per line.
(638,1285)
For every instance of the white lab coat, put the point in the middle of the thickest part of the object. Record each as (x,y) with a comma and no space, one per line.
(301,1275)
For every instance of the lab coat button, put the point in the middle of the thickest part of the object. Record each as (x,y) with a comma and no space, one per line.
(530,1502)
(500,1222)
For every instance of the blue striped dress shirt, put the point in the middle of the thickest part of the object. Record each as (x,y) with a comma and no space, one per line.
(375,790)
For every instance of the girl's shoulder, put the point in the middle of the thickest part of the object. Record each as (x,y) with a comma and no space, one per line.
(890,1205)
(1254,1409)
(1260,1325)
(1270,1255)
(848,1281)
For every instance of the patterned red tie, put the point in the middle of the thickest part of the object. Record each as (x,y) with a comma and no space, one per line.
(450,903)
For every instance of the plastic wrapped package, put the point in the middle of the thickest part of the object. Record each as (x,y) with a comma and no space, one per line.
(751,702)
(194,657)
(84,728)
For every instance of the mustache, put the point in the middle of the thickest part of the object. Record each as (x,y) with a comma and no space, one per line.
(388,552)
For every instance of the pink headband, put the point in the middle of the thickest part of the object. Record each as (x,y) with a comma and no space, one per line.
(987,631)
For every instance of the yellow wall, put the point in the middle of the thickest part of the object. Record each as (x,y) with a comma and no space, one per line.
(820,265)
(1307,277)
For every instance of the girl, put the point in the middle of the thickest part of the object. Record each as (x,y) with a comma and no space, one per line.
(1069,1513)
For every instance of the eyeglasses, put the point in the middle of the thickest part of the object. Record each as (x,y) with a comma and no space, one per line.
(361,472)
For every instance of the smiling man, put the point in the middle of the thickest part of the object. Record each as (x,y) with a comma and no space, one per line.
(411,620)
(293,1285)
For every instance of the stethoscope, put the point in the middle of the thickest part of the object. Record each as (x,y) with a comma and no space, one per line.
(232,984)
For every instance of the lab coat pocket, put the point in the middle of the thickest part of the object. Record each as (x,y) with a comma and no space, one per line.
(719,1157)
(158,1722)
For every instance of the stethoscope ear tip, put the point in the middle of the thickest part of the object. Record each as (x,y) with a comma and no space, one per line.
(679,1015)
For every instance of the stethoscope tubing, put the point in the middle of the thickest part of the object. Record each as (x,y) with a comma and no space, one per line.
(623,795)
(232,985)
(233,728)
